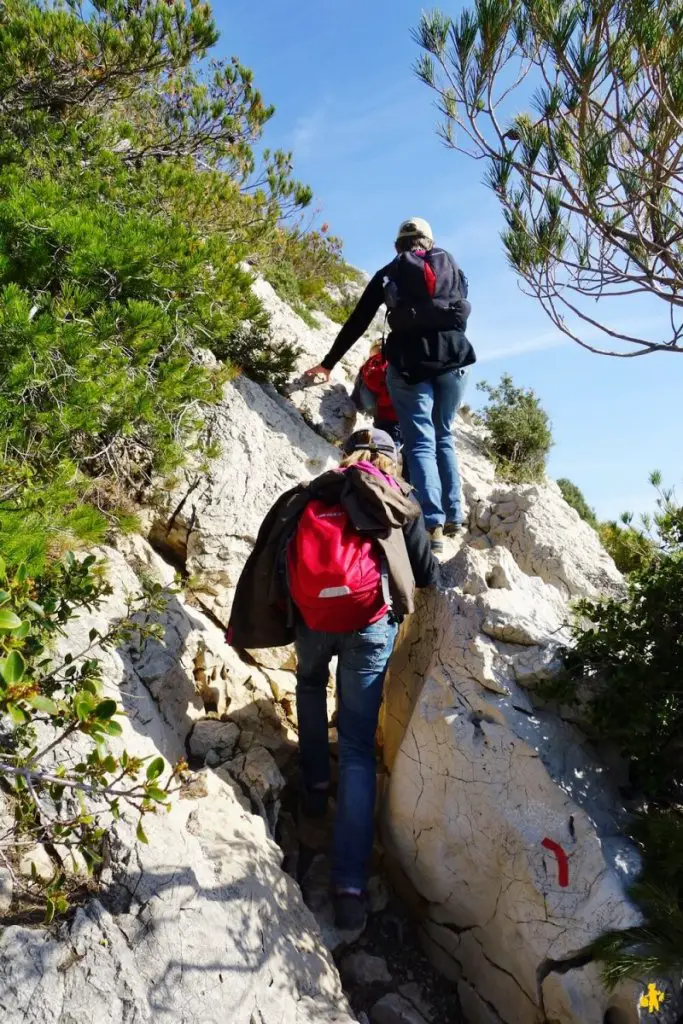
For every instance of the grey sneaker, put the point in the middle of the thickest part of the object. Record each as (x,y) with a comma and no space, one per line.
(436,539)
(453,529)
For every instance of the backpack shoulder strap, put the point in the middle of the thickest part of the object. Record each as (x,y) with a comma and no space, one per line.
(460,278)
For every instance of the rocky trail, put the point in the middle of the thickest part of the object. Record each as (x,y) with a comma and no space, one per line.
(385,973)
(501,852)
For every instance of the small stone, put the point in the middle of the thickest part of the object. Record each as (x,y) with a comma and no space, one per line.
(282,683)
(414,993)
(73,861)
(40,858)
(6,890)
(394,1009)
(275,658)
(210,734)
(378,894)
(363,969)
(258,769)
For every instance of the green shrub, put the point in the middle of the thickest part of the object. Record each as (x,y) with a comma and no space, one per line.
(62,697)
(129,198)
(630,547)
(628,656)
(519,437)
(301,266)
(574,497)
(654,948)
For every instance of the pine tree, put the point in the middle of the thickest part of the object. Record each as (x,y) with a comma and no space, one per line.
(575,108)
(129,197)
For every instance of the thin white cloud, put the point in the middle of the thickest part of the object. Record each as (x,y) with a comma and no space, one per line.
(330,132)
(307,133)
(546,340)
(520,346)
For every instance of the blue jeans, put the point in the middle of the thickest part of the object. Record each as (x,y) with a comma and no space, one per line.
(426,413)
(362,665)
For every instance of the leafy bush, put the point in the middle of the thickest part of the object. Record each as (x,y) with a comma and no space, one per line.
(631,652)
(49,699)
(656,947)
(519,437)
(574,497)
(627,662)
(302,266)
(630,547)
(129,198)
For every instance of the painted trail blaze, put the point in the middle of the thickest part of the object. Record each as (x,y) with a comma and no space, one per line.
(562,861)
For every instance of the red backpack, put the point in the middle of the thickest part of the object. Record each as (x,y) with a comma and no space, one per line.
(373,374)
(335,574)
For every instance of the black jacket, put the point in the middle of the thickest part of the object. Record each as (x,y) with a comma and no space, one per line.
(416,356)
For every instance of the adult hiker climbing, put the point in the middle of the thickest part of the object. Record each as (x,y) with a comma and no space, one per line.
(333,570)
(425,293)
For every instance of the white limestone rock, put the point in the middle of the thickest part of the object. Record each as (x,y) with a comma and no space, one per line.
(210,734)
(37,861)
(259,771)
(549,539)
(479,780)
(201,922)
(208,520)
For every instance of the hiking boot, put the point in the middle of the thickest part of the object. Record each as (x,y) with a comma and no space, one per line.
(436,539)
(350,911)
(453,529)
(313,803)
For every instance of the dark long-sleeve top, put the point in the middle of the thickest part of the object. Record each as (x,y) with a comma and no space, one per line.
(416,356)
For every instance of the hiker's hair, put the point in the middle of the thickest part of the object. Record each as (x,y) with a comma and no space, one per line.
(379,459)
(409,243)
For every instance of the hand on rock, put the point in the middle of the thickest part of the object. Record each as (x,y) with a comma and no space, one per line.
(317,371)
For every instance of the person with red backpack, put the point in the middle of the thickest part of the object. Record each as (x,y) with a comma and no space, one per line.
(333,570)
(371,395)
(425,293)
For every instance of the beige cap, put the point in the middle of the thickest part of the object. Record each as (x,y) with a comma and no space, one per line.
(415,226)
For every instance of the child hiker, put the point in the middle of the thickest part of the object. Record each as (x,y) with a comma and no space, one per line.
(371,395)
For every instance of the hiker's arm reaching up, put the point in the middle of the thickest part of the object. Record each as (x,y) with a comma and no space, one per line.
(354,328)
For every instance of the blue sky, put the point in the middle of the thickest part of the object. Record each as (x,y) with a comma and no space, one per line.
(362,130)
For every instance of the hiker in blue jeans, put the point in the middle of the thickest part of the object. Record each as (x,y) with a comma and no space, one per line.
(425,293)
(363,659)
(334,570)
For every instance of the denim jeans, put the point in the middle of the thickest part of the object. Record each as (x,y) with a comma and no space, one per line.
(426,413)
(363,658)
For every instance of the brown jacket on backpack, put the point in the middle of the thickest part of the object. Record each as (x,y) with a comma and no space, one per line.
(261,612)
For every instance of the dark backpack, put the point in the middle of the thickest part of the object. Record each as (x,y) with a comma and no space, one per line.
(426,291)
